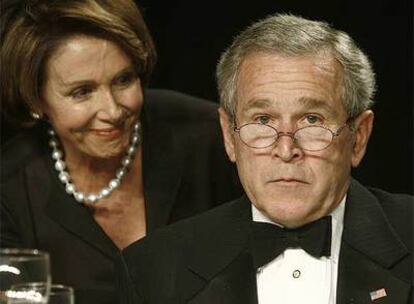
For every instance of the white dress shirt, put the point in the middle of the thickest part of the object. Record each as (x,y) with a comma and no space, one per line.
(295,277)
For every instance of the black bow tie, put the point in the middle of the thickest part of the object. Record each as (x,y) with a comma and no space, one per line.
(269,240)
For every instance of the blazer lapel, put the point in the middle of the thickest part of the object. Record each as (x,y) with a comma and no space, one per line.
(78,220)
(163,162)
(46,191)
(220,268)
(370,247)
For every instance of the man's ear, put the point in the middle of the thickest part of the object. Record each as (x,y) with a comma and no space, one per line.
(226,128)
(363,127)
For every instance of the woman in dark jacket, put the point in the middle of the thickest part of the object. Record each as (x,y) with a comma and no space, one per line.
(103,160)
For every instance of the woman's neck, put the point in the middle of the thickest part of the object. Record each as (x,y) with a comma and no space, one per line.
(90,175)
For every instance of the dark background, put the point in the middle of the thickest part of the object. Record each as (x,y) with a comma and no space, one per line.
(190,36)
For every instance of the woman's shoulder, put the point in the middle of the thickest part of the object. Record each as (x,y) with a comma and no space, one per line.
(173,105)
(20,149)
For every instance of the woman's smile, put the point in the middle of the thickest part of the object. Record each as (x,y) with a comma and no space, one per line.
(93,105)
(108,133)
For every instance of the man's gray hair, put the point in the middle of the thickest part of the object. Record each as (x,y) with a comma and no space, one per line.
(290,35)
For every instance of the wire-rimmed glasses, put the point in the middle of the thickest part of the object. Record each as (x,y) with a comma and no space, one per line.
(309,138)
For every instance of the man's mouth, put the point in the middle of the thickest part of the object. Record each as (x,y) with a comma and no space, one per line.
(289,181)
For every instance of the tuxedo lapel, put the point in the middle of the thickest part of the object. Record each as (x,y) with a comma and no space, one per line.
(46,190)
(370,247)
(163,162)
(220,268)
(234,284)
(359,277)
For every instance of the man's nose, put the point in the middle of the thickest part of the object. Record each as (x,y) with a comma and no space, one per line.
(285,147)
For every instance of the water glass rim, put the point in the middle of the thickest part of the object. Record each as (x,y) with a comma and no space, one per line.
(54,289)
(23,253)
(60,288)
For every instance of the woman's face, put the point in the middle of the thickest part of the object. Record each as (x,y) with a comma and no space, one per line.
(92,96)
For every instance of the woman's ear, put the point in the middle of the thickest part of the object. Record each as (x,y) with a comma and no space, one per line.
(226,128)
(38,110)
(362,131)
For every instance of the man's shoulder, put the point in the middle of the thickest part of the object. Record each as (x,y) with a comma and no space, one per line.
(396,209)
(397,206)
(186,233)
(193,226)
(194,241)
(396,200)
(390,202)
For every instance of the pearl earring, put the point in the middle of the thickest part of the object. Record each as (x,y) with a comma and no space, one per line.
(35,115)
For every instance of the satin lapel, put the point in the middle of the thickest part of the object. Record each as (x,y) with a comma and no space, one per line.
(234,284)
(220,270)
(163,162)
(46,190)
(369,248)
(359,276)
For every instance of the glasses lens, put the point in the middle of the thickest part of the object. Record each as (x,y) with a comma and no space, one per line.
(257,135)
(313,138)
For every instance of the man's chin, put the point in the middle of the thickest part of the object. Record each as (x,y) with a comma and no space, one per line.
(287,195)
(287,210)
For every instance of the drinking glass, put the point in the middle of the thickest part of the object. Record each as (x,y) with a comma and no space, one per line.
(61,294)
(24,267)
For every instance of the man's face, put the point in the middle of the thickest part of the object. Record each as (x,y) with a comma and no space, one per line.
(292,186)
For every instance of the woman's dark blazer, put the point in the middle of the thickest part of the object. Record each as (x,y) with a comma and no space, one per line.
(185,171)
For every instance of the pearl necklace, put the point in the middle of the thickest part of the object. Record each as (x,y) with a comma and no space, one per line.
(92,198)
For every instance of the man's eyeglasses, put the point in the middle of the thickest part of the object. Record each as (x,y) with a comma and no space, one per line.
(309,138)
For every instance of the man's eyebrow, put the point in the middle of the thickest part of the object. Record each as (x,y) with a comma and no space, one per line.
(314,103)
(256,104)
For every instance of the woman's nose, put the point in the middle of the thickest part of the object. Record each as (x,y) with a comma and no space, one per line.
(109,107)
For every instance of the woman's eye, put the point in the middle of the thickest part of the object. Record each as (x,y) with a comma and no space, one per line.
(81,92)
(125,78)
(263,119)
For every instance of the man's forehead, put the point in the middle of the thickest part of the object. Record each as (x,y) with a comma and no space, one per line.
(269,80)
(259,66)
(307,102)
(324,59)
(304,103)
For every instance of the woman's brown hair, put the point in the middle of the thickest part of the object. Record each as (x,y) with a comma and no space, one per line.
(36,29)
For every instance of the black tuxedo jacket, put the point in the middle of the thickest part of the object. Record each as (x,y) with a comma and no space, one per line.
(206,260)
(185,171)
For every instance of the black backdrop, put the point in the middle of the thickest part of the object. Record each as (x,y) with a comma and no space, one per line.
(191,34)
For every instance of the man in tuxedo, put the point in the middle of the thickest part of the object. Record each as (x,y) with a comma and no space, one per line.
(295,115)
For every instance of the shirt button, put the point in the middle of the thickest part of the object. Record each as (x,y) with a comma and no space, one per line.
(296,274)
